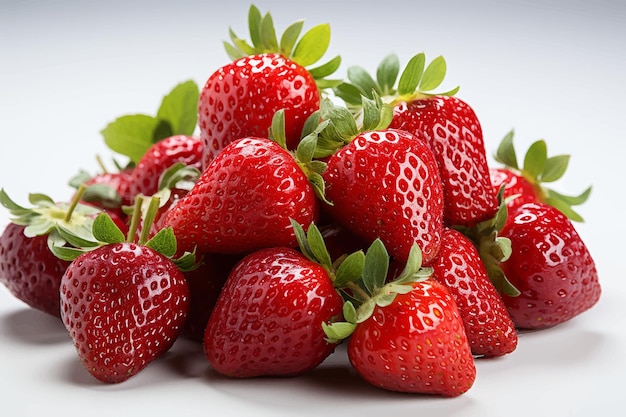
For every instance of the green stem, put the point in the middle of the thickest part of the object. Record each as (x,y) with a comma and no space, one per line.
(357,291)
(75,201)
(148,220)
(134,220)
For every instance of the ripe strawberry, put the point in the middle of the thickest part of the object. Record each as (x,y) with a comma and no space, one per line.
(123,303)
(240,98)
(109,190)
(28,268)
(527,181)
(385,184)
(183,149)
(448,124)
(551,267)
(458,266)
(268,318)
(243,201)
(406,335)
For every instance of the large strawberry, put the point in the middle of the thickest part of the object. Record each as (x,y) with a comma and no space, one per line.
(244,200)
(28,268)
(384,183)
(123,303)
(240,98)
(526,181)
(448,124)
(406,335)
(458,266)
(550,266)
(268,318)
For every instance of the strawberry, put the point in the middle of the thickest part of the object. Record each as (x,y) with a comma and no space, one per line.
(384,183)
(526,181)
(28,268)
(448,124)
(268,318)
(240,98)
(550,266)
(123,303)
(183,149)
(406,335)
(458,266)
(243,201)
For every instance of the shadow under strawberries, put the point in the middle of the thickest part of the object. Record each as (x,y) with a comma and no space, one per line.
(35,327)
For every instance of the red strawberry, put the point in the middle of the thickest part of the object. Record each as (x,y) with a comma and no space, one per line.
(28,268)
(124,303)
(385,184)
(240,98)
(243,201)
(458,266)
(183,149)
(406,335)
(527,180)
(268,318)
(109,190)
(551,267)
(448,124)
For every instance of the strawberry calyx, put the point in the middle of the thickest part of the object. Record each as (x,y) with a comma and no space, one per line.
(104,232)
(417,81)
(372,289)
(305,50)
(538,168)
(48,217)
(492,248)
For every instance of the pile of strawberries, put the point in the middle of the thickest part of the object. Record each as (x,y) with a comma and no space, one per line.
(309,212)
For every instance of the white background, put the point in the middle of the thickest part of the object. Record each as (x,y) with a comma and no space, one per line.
(548,69)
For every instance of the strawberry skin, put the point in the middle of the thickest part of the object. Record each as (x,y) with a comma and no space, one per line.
(385,184)
(455,136)
(550,266)
(159,157)
(514,185)
(416,344)
(124,305)
(240,99)
(243,201)
(458,266)
(29,270)
(268,318)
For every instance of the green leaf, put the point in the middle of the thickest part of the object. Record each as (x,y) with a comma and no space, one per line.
(350,270)
(269,41)
(326,69)
(433,75)
(376,266)
(164,242)
(349,312)
(290,37)
(412,74)
(104,194)
(338,331)
(318,247)
(232,51)
(506,152)
(42,200)
(341,121)
(75,240)
(105,230)
(254,25)
(131,135)
(180,108)
(303,242)
(413,264)
(306,148)
(387,73)
(535,159)
(555,168)
(11,205)
(571,200)
(277,129)
(66,253)
(361,79)
(348,93)
(186,262)
(312,46)
(365,310)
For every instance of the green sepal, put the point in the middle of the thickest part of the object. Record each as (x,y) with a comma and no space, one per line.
(290,37)
(535,159)
(411,75)
(106,231)
(104,194)
(376,266)
(164,242)
(64,253)
(362,80)
(387,73)
(350,269)
(505,153)
(312,46)
(277,129)
(312,245)
(324,70)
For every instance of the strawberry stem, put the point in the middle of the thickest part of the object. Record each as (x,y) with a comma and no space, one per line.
(74,203)
(134,219)
(148,220)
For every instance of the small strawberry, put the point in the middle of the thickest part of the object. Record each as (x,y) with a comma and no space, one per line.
(123,303)
(244,199)
(240,98)
(383,183)
(183,149)
(406,335)
(448,124)
(526,181)
(550,266)
(28,268)
(458,266)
